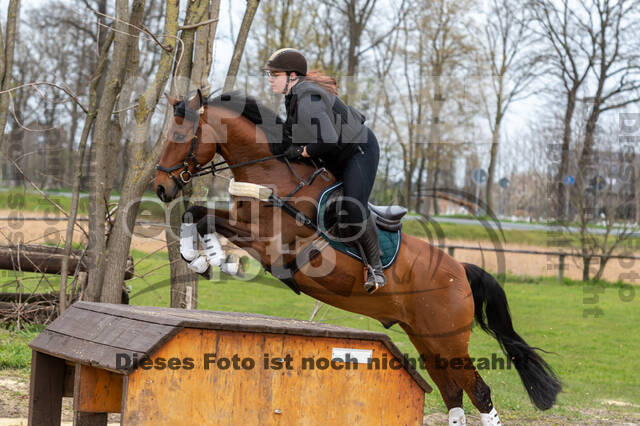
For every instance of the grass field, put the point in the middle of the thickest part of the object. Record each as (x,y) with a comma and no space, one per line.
(594,356)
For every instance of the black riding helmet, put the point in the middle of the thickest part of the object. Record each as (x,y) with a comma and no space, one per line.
(287,60)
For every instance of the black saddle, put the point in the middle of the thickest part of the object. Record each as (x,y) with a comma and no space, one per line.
(388,218)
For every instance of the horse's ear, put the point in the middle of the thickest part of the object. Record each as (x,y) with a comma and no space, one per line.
(200,97)
(171,99)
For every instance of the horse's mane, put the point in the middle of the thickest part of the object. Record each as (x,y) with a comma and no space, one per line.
(257,113)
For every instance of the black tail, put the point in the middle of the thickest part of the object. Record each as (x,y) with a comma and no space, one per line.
(489,298)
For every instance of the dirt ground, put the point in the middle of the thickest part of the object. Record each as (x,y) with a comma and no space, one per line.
(151,238)
(14,409)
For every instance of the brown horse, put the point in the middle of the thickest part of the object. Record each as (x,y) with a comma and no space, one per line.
(429,294)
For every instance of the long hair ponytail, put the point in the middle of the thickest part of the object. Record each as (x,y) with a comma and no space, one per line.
(321,79)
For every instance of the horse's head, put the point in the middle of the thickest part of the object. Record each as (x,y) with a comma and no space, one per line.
(190,143)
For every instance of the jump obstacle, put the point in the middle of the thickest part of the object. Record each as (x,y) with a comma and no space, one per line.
(205,367)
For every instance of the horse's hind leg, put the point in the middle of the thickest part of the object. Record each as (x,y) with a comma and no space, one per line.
(450,367)
(450,390)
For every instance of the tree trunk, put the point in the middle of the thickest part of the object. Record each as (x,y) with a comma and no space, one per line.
(77,177)
(586,261)
(586,156)
(198,45)
(100,187)
(238,49)
(142,165)
(495,141)
(8,44)
(203,52)
(564,155)
(419,189)
(434,138)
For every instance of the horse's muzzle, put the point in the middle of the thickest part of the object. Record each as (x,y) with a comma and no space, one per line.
(164,195)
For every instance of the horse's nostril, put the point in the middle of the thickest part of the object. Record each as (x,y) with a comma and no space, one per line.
(160,192)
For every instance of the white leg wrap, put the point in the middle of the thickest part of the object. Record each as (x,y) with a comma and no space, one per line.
(188,242)
(199,265)
(230,268)
(456,417)
(212,249)
(490,419)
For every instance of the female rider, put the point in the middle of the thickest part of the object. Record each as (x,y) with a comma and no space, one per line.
(319,125)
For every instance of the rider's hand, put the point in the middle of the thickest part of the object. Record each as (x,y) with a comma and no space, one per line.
(294,152)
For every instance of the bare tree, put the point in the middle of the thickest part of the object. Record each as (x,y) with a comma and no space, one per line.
(125,26)
(612,25)
(357,15)
(570,58)
(79,163)
(142,165)
(445,23)
(604,197)
(506,52)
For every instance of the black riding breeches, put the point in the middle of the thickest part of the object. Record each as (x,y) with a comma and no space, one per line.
(359,175)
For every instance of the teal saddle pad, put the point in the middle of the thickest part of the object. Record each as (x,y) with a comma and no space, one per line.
(389,241)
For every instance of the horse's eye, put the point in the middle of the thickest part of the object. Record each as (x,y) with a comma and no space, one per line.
(178,136)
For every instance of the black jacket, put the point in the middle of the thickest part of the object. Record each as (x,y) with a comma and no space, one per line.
(330,129)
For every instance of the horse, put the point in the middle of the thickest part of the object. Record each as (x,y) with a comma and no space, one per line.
(432,297)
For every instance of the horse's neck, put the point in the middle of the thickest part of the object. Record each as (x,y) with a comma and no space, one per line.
(244,144)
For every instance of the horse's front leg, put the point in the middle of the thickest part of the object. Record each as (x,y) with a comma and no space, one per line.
(200,223)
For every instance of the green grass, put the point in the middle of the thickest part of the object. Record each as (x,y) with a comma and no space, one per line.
(440,232)
(14,352)
(594,356)
(19,199)
(31,201)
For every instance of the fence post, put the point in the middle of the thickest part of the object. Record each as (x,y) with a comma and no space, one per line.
(451,250)
(561,267)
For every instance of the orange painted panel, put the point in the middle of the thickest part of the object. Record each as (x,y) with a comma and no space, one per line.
(98,391)
(219,392)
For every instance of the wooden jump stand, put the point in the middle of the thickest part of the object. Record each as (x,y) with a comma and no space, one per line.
(197,370)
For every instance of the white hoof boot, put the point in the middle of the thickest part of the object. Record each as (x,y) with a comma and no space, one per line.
(188,241)
(230,267)
(198,265)
(491,418)
(212,249)
(456,417)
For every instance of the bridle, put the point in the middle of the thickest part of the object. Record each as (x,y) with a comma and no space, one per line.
(185,175)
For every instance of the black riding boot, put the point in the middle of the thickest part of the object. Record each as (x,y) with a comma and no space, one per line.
(369,241)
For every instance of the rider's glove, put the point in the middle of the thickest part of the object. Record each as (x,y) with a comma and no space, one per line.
(294,152)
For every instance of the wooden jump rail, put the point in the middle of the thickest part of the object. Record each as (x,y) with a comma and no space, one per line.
(42,307)
(45,259)
(561,254)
